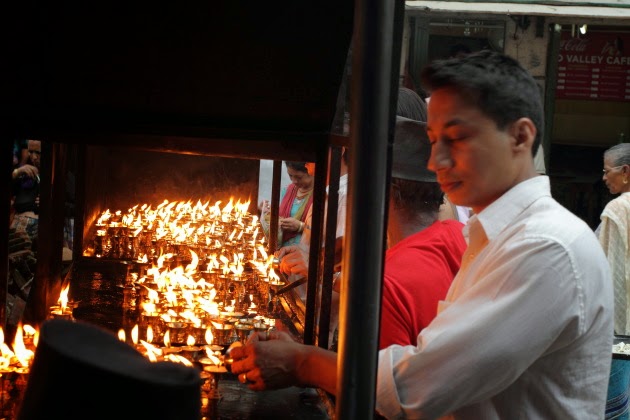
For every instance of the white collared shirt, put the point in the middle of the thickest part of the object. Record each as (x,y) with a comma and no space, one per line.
(614,236)
(526,328)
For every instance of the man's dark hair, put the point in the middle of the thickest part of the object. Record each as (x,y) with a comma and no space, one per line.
(495,83)
(415,198)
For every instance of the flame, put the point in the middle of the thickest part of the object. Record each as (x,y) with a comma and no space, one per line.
(212,357)
(63,297)
(149,307)
(167,339)
(193,263)
(190,341)
(134,334)
(201,228)
(264,254)
(228,207)
(152,351)
(29,330)
(178,359)
(23,354)
(6,351)
(121,335)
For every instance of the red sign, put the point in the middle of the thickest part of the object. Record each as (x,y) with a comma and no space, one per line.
(594,67)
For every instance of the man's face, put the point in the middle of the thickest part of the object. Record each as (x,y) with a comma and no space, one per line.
(474,161)
(34,152)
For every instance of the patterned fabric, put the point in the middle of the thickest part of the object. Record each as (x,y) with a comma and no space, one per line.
(287,207)
(614,236)
(290,206)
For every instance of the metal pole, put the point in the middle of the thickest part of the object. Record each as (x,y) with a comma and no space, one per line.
(275,206)
(371,122)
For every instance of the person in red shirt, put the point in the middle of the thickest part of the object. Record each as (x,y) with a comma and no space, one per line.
(424,253)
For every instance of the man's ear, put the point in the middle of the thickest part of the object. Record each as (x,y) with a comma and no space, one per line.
(523,131)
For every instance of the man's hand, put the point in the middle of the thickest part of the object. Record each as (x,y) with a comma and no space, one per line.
(267,361)
(26,170)
(293,260)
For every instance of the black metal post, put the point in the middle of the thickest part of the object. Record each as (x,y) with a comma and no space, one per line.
(373,66)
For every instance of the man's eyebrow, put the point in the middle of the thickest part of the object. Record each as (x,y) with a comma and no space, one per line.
(448,124)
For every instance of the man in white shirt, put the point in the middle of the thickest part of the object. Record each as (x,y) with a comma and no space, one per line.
(526,328)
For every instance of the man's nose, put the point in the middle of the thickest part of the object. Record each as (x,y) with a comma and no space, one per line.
(440,157)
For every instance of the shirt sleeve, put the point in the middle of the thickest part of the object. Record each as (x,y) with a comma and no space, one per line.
(490,331)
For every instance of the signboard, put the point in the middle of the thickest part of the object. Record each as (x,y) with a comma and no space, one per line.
(594,67)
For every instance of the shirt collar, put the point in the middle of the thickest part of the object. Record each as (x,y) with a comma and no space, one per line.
(502,212)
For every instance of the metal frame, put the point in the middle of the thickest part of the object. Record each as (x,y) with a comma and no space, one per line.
(376,59)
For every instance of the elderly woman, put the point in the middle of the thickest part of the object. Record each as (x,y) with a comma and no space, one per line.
(614,235)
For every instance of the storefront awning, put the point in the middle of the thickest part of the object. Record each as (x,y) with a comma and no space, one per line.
(531,9)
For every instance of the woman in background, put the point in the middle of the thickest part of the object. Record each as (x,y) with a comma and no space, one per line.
(296,200)
(614,236)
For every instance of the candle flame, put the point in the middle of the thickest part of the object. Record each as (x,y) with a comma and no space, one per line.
(212,357)
(134,334)
(179,359)
(152,351)
(63,297)
(149,307)
(23,354)
(264,254)
(121,335)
